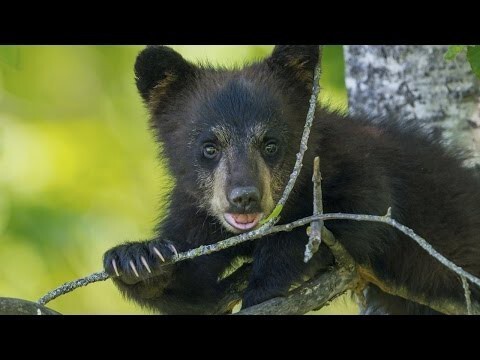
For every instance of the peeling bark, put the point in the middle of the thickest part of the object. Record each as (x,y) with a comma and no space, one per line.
(416,83)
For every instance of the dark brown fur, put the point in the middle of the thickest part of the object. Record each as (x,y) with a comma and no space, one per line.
(368,165)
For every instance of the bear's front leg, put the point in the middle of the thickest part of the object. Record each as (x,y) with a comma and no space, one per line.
(192,286)
(136,267)
(278,264)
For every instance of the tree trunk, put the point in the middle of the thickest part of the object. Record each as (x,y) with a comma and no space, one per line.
(416,83)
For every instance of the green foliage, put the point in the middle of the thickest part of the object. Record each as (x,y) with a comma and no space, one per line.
(10,56)
(276,211)
(453,51)
(473,55)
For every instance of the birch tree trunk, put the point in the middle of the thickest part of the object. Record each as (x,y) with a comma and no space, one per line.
(416,83)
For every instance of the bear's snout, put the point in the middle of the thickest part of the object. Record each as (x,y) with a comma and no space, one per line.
(244,199)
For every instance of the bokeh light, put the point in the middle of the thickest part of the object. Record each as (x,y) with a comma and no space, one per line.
(79,171)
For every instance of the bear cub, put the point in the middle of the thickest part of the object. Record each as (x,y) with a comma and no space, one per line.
(230,137)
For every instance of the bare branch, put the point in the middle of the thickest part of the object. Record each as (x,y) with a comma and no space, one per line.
(72,285)
(306,133)
(468,300)
(317,292)
(311,296)
(315,236)
(353,277)
(303,142)
(12,306)
(342,258)
(410,233)
(266,230)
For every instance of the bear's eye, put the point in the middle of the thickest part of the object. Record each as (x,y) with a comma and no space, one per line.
(210,151)
(271,148)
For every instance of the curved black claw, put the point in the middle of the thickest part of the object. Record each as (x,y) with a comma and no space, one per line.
(133,262)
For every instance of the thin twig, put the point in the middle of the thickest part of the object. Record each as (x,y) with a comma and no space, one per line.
(315,236)
(342,258)
(72,285)
(267,230)
(388,220)
(303,142)
(466,290)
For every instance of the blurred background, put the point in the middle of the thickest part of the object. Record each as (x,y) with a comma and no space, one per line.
(78,167)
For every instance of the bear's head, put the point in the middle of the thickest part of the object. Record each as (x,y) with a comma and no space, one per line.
(230,135)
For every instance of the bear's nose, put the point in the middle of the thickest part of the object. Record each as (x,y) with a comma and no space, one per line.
(244,198)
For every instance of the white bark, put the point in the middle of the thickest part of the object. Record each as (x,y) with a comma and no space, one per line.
(416,83)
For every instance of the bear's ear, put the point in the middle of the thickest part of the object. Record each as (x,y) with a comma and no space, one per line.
(296,62)
(158,69)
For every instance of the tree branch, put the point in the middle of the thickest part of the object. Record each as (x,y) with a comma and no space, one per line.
(317,292)
(72,285)
(12,306)
(303,143)
(350,276)
(341,257)
(313,294)
(468,300)
(315,236)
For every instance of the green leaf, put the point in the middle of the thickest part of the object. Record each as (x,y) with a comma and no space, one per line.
(453,51)
(473,56)
(278,209)
(10,55)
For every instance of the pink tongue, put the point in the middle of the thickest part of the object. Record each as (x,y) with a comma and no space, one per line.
(244,218)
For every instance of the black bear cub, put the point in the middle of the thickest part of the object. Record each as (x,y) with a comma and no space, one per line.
(230,138)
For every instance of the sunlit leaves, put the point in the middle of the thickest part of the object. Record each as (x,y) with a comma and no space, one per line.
(473,55)
(453,51)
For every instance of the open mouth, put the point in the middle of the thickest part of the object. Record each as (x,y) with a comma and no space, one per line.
(243,221)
